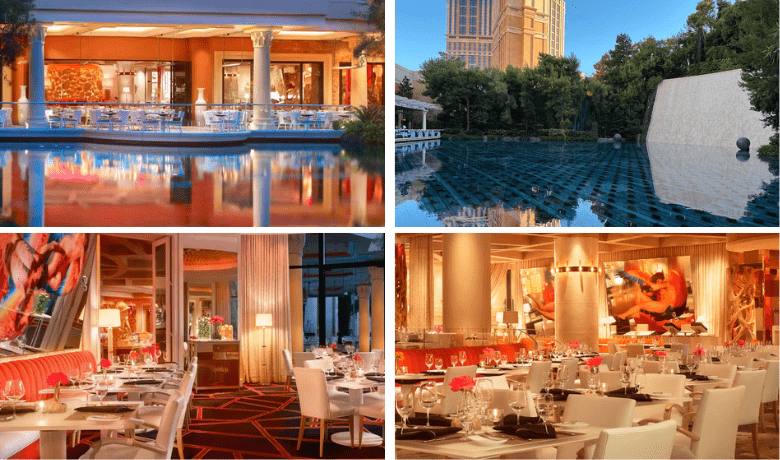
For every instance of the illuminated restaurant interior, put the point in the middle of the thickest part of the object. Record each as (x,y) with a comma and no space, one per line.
(194,345)
(586,345)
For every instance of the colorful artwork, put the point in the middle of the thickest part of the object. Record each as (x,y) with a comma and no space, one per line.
(538,295)
(649,291)
(33,266)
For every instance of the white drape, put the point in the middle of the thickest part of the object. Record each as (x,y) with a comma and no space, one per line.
(709,263)
(263,287)
(222,300)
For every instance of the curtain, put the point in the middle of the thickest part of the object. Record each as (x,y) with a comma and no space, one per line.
(222,300)
(710,263)
(420,267)
(497,291)
(263,287)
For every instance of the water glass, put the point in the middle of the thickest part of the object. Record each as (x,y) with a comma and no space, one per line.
(428,398)
(454,360)
(404,404)
(518,399)
(429,360)
(462,357)
(14,391)
(86,384)
(467,410)
(484,394)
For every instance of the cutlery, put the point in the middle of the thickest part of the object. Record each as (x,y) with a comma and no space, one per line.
(446,438)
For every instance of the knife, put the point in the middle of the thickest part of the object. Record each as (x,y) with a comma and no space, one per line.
(446,438)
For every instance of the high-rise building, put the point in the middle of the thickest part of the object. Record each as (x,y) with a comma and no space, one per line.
(498,33)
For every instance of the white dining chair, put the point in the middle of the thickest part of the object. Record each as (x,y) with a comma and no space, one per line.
(284,121)
(501,399)
(374,407)
(160,448)
(537,374)
(753,381)
(595,411)
(650,441)
(727,372)
(299,357)
(74,118)
(618,360)
(746,362)
(288,368)
(380,353)
(613,347)
(499,381)
(770,393)
(606,360)
(672,385)
(365,359)
(570,366)
(652,367)
(448,399)
(634,350)
(680,347)
(325,364)
(316,404)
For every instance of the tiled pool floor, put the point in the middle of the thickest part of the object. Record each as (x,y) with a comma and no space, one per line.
(471,183)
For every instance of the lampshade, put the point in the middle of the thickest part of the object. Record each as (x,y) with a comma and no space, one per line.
(607,320)
(109,317)
(126,90)
(507,317)
(263,320)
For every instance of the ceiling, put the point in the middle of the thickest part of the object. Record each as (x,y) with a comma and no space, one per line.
(126,262)
(96,29)
(509,247)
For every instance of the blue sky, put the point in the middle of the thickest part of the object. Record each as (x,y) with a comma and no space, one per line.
(591,26)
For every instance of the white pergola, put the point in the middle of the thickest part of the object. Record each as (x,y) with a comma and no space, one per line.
(414,104)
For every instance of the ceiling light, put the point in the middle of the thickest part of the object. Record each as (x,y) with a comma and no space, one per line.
(124,29)
(58,28)
(302,32)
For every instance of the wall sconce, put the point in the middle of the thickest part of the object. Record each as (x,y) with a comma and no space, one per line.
(565,268)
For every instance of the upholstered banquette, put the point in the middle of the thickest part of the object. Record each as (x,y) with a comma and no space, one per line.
(33,371)
(414,359)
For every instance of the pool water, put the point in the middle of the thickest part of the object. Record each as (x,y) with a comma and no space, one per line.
(497,183)
(253,185)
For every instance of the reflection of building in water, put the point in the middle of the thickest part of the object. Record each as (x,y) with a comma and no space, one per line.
(497,216)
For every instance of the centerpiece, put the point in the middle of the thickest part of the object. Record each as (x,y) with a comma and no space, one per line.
(56,380)
(215,322)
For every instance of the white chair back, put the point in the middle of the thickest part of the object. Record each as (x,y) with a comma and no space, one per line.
(299,357)
(671,384)
(606,360)
(612,379)
(450,402)
(680,347)
(288,363)
(635,349)
(753,381)
(312,393)
(618,360)
(380,353)
(716,423)
(771,382)
(177,403)
(723,371)
(652,367)
(366,357)
(613,347)
(537,375)
(650,441)
(570,364)
(323,363)
(599,411)
(743,361)
(501,401)
(499,382)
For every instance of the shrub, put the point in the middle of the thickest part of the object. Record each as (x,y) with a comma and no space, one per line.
(369,124)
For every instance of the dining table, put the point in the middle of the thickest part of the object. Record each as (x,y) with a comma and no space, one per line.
(54,426)
(356,387)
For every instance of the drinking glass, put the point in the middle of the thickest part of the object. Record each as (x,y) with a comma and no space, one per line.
(14,391)
(593,383)
(157,355)
(467,409)
(625,377)
(428,400)
(497,357)
(519,356)
(641,381)
(101,389)
(484,393)
(462,357)
(73,374)
(517,399)
(549,381)
(454,360)
(404,404)
(429,361)
(544,407)
(439,364)
(375,365)
(504,359)
(86,384)
(563,376)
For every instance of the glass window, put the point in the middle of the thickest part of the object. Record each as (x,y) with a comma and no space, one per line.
(472,60)
(473,21)
(474,11)
(297,83)
(463,20)
(237,82)
(345,83)
(462,30)
(376,84)
(473,30)
(463,10)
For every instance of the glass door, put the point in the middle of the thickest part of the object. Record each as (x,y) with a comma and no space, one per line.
(161,268)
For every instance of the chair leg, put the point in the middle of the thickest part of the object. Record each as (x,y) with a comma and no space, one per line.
(755,439)
(287,384)
(323,429)
(761,417)
(775,405)
(300,431)
(180,443)
(360,433)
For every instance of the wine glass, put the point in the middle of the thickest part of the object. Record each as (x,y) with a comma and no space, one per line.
(101,388)
(148,358)
(439,364)
(73,375)
(404,404)
(86,384)
(375,365)
(518,399)
(14,391)
(467,408)
(641,381)
(544,406)
(563,376)
(625,377)
(462,357)
(484,393)
(549,381)
(157,355)
(519,356)
(454,360)
(429,361)
(428,399)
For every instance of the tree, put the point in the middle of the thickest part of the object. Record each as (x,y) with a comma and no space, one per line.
(16,21)
(374,42)
(405,89)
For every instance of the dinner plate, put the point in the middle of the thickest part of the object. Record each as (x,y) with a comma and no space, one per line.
(661,396)
(103,418)
(572,425)
(487,442)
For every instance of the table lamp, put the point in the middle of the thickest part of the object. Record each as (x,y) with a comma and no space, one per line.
(126,92)
(109,318)
(263,320)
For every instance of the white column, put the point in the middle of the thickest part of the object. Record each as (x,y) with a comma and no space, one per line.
(295,244)
(37,118)
(261,42)
(466,282)
(377,307)
(576,293)
(363,291)
(425,119)
(359,91)
(261,189)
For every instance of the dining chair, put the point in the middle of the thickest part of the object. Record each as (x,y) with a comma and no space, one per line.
(766,355)
(325,364)
(150,123)
(723,371)
(570,366)
(2,119)
(177,120)
(613,347)
(124,120)
(501,398)
(634,350)
(672,385)
(499,381)
(618,360)
(316,404)
(160,448)
(595,411)
(299,357)
(677,347)
(652,367)
(380,353)
(537,374)
(746,362)
(288,368)
(74,118)
(650,441)
(753,381)
(374,407)
(284,121)
(366,358)
(606,360)
(770,393)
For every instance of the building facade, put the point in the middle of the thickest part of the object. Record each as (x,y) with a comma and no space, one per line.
(498,33)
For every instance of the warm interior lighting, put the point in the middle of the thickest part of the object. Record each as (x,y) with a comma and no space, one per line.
(129,29)
(196,31)
(109,317)
(302,32)
(58,28)
(263,320)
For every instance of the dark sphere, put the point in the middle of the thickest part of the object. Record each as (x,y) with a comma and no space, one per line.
(743,155)
(743,143)
(617,137)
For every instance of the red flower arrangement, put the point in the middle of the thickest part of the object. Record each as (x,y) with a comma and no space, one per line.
(574,345)
(357,359)
(145,350)
(594,362)
(660,353)
(134,355)
(488,353)
(437,328)
(741,343)
(57,378)
(105,363)
(465,382)
(216,320)
(699,352)
(333,345)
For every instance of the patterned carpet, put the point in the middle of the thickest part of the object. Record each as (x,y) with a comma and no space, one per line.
(254,422)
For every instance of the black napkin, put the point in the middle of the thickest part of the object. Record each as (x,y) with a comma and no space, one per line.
(511,419)
(156,369)
(692,376)
(143,382)
(419,419)
(441,372)
(630,390)
(560,394)
(376,378)
(112,409)
(638,397)
(19,410)
(375,374)
(421,433)
(528,431)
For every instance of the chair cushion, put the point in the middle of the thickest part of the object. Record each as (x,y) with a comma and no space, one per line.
(340,408)
(12,442)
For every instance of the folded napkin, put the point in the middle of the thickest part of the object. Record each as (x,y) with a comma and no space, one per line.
(421,433)
(630,390)
(511,419)
(112,409)
(8,410)
(638,397)
(143,382)
(692,376)
(374,374)
(376,378)
(156,369)
(434,372)
(419,419)
(528,431)
(560,394)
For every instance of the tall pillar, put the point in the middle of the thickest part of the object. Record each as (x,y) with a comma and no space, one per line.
(576,293)
(466,281)
(377,307)
(359,88)
(425,119)
(37,117)
(261,42)
(295,242)
(261,189)
(363,291)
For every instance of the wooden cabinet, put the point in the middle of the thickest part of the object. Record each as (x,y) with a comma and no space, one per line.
(219,364)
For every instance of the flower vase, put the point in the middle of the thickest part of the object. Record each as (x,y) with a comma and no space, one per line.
(593,378)
(24,108)
(200,108)
(215,332)
(54,406)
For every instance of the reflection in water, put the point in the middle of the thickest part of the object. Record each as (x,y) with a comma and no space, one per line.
(474,183)
(260,185)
